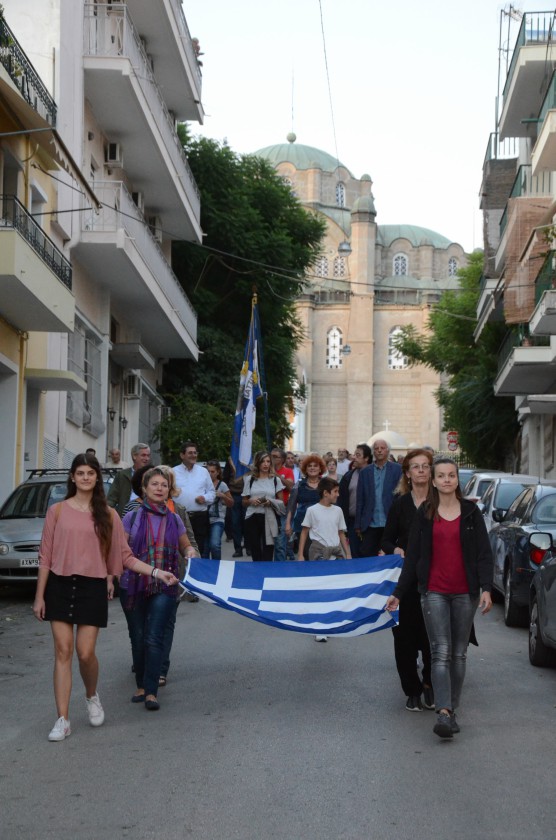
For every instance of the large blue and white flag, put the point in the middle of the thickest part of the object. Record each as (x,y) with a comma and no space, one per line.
(328,597)
(249,392)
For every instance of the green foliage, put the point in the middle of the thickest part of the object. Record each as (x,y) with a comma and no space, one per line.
(486,424)
(246,212)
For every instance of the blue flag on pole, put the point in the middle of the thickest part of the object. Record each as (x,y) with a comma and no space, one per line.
(328,597)
(249,392)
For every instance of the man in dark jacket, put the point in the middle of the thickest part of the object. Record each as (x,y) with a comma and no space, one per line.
(375,492)
(120,489)
(348,494)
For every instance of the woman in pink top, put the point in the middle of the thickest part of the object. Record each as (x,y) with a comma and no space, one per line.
(83,545)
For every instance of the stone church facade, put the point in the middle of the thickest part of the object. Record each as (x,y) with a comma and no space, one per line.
(369,281)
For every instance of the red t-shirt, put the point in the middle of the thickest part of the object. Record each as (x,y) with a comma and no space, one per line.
(447,571)
(286,473)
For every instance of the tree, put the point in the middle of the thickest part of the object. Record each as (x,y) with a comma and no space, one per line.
(256,235)
(487,426)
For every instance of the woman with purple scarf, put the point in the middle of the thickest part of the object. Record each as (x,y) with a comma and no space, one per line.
(158,537)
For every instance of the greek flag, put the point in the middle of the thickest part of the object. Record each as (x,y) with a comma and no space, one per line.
(249,392)
(328,597)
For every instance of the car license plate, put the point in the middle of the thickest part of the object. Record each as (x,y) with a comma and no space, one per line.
(33,561)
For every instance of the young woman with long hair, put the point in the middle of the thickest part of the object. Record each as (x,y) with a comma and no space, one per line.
(260,487)
(449,556)
(83,545)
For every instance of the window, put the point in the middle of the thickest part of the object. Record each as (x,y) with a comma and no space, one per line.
(340,195)
(334,344)
(340,267)
(321,267)
(452,267)
(84,359)
(400,265)
(396,360)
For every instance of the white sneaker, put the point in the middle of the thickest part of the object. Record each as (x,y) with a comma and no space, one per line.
(321,638)
(60,730)
(96,712)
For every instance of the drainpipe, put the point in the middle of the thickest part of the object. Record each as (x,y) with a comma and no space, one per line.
(20,433)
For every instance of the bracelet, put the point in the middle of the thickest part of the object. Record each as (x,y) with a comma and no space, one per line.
(154,572)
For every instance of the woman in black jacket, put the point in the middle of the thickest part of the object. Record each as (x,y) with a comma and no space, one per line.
(450,557)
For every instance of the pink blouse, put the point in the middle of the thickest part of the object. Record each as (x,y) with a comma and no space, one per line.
(70,546)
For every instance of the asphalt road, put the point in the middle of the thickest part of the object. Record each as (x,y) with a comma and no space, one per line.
(265,735)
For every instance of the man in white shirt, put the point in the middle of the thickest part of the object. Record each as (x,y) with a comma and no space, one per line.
(196,492)
(291,465)
(344,462)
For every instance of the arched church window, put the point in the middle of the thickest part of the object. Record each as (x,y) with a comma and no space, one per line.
(400,265)
(340,267)
(321,267)
(340,195)
(334,344)
(396,360)
(452,267)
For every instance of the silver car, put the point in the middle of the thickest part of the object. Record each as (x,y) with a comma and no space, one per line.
(22,519)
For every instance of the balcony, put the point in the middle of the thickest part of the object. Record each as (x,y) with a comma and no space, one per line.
(24,76)
(35,277)
(544,153)
(122,91)
(163,26)
(489,306)
(525,84)
(543,319)
(526,364)
(125,258)
(525,186)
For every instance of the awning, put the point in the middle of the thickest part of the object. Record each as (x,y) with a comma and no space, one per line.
(44,379)
(50,147)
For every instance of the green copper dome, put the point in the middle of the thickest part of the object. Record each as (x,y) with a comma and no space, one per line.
(300,156)
(413,233)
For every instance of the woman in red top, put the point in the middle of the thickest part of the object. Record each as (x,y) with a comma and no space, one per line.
(450,557)
(83,544)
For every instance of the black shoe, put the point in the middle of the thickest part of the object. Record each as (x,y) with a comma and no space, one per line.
(454,724)
(428,697)
(414,704)
(237,554)
(443,726)
(248,552)
(152,705)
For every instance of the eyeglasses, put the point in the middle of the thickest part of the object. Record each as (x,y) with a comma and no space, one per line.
(416,467)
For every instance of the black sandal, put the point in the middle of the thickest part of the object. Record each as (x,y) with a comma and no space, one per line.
(162,681)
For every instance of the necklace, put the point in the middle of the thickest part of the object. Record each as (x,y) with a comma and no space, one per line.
(86,509)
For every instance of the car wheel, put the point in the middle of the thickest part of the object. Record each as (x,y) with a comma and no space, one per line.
(514,615)
(539,654)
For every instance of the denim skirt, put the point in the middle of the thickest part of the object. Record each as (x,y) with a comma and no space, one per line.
(76,599)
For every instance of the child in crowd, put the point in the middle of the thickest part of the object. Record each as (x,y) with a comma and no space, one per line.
(325,526)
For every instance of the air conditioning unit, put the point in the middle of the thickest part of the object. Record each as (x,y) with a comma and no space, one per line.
(113,154)
(155,226)
(132,386)
(139,200)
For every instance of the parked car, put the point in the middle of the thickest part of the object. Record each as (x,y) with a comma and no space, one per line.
(542,604)
(515,559)
(500,494)
(465,474)
(22,519)
(479,482)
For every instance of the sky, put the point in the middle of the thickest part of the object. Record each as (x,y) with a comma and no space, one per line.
(413,89)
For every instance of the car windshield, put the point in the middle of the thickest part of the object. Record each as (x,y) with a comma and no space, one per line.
(30,500)
(506,494)
(545,512)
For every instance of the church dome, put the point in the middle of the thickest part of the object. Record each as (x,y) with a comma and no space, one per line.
(392,438)
(300,156)
(413,233)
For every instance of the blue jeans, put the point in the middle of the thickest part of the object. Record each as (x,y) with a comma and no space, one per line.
(448,619)
(213,546)
(168,639)
(281,541)
(146,624)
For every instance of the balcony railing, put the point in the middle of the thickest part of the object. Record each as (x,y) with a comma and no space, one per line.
(501,149)
(15,217)
(120,211)
(185,37)
(546,278)
(24,75)
(109,32)
(549,101)
(519,336)
(526,185)
(536,28)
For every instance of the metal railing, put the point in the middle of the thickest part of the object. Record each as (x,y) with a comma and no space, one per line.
(186,38)
(120,211)
(24,75)
(518,336)
(14,216)
(546,278)
(536,28)
(526,185)
(109,32)
(549,101)
(501,149)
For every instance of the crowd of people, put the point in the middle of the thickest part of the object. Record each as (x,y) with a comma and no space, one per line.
(286,507)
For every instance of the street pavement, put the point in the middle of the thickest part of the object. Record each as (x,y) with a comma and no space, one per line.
(265,735)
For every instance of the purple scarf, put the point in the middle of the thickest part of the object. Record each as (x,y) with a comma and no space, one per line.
(160,549)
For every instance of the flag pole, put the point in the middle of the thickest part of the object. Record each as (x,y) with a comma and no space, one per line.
(262,374)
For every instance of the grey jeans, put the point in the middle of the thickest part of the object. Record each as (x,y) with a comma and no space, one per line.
(448,619)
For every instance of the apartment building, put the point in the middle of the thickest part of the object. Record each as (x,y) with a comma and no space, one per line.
(518,199)
(119,77)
